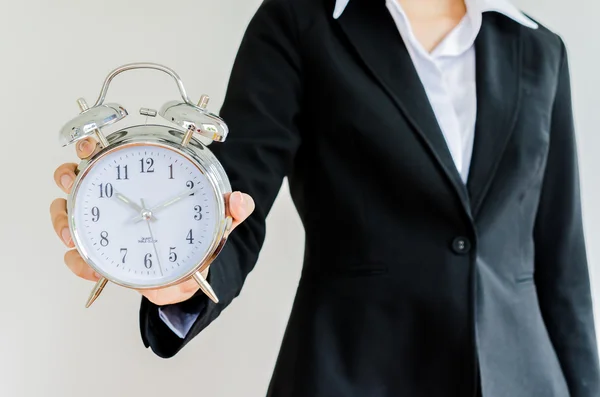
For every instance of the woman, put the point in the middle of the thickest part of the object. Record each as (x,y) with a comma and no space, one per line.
(436,139)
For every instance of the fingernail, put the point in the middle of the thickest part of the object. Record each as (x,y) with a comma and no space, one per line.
(97,276)
(66,235)
(83,146)
(66,181)
(237,196)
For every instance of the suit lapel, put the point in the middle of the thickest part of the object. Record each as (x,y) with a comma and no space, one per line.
(498,69)
(373,33)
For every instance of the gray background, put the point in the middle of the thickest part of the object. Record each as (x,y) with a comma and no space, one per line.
(53,53)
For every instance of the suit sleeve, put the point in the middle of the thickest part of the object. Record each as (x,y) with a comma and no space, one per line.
(562,274)
(261,108)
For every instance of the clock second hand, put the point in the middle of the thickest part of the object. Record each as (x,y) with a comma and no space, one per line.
(153,242)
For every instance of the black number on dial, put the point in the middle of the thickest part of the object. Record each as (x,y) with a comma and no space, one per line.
(198,214)
(149,162)
(125,176)
(148,261)
(124,254)
(95,214)
(172,255)
(106,190)
(190,237)
(171,172)
(190,184)
(104,239)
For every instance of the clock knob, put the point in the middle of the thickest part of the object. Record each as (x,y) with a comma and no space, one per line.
(90,121)
(203,102)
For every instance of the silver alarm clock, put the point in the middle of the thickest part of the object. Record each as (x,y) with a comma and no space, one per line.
(148,209)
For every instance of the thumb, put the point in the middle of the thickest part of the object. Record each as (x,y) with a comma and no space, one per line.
(241,205)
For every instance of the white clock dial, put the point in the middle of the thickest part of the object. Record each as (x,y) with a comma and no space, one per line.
(144,215)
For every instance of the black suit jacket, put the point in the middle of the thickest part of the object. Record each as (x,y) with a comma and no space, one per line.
(414,284)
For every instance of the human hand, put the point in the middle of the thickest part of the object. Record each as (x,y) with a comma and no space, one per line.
(240,206)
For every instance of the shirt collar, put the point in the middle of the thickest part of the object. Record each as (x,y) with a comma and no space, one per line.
(502,6)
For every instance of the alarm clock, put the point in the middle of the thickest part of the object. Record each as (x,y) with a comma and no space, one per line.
(148,209)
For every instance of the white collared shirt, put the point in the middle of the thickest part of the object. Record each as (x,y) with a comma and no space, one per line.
(448,72)
(448,76)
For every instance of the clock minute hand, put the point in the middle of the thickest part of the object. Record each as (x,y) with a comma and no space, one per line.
(167,203)
(153,243)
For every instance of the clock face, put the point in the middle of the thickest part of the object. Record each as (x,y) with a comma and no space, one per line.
(144,215)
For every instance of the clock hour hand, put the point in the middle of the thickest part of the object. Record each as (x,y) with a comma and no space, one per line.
(130,203)
(165,204)
(127,201)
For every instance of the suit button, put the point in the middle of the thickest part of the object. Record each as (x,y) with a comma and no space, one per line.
(461,245)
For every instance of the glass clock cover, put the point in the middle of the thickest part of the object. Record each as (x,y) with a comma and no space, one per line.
(179,223)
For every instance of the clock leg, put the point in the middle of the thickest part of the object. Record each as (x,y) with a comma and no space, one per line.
(205,286)
(100,284)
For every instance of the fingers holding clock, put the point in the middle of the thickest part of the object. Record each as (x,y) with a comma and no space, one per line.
(241,205)
(171,295)
(64,176)
(60,221)
(86,147)
(79,267)
(58,213)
